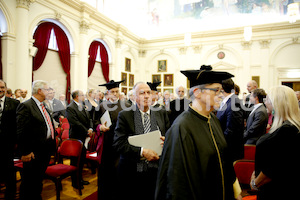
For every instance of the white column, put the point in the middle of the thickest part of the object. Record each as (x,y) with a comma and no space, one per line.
(81,81)
(8,59)
(23,75)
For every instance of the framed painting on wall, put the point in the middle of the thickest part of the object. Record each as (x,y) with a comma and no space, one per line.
(162,65)
(156,78)
(168,79)
(124,89)
(131,80)
(127,65)
(124,77)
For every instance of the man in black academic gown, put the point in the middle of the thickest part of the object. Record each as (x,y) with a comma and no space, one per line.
(154,95)
(138,165)
(194,163)
(107,174)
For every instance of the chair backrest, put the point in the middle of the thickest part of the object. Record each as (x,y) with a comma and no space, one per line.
(71,148)
(65,126)
(65,134)
(249,151)
(64,120)
(243,170)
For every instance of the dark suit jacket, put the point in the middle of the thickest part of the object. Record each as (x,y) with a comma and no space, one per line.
(32,129)
(80,122)
(58,109)
(248,105)
(126,127)
(177,106)
(232,123)
(256,125)
(8,127)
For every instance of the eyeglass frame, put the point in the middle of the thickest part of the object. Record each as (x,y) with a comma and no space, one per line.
(217,91)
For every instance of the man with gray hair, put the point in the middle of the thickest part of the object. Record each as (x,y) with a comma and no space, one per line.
(36,140)
(178,105)
(138,165)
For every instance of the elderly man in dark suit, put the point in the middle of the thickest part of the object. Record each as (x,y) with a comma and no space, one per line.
(8,127)
(138,166)
(230,116)
(55,106)
(81,127)
(36,142)
(258,118)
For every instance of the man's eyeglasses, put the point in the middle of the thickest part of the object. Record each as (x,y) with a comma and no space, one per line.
(216,90)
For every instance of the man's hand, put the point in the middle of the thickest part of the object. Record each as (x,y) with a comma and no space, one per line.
(150,155)
(163,140)
(90,132)
(28,157)
(104,128)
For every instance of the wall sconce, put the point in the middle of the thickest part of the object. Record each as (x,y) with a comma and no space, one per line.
(247,33)
(293,12)
(187,39)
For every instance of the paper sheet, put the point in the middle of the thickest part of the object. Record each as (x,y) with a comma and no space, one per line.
(149,140)
(106,118)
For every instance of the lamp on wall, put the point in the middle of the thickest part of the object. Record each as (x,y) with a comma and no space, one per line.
(293,12)
(187,39)
(247,33)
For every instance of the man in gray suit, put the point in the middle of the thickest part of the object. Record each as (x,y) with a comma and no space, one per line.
(138,166)
(258,118)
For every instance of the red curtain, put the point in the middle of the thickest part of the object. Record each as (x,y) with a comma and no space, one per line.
(104,59)
(104,62)
(93,54)
(42,37)
(64,55)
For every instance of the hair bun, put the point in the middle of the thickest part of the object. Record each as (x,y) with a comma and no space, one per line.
(205,67)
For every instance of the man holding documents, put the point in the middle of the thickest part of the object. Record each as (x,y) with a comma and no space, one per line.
(138,164)
(109,111)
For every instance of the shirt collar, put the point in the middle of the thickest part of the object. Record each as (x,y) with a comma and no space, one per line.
(3,98)
(148,112)
(36,101)
(226,98)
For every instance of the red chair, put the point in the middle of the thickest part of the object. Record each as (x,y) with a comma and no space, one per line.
(249,151)
(69,148)
(58,130)
(65,126)
(64,120)
(243,170)
(65,134)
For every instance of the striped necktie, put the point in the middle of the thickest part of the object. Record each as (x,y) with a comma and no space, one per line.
(48,120)
(147,124)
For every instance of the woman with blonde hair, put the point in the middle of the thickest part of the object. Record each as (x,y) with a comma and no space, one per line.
(277,173)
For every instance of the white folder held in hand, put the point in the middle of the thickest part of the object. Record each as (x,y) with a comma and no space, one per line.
(149,140)
(106,118)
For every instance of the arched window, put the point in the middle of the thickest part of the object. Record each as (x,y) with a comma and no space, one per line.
(45,33)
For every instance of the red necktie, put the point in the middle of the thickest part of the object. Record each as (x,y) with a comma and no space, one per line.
(48,120)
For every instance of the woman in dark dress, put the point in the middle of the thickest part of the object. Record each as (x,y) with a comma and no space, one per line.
(277,167)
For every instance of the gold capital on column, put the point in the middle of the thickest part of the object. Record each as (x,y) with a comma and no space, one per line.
(24,3)
(84,27)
